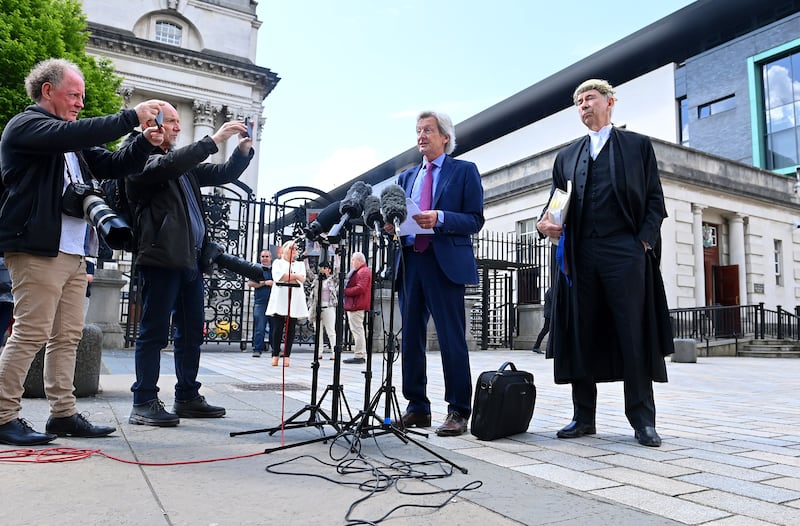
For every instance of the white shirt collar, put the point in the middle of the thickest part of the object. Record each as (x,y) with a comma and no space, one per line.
(598,139)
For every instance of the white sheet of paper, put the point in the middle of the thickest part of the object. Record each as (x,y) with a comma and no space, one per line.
(409,226)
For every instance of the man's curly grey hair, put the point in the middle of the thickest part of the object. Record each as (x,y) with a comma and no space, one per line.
(50,70)
(600,85)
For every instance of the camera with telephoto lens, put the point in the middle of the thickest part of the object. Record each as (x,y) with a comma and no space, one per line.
(87,200)
(214,254)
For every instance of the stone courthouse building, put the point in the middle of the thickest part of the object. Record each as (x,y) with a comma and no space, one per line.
(198,55)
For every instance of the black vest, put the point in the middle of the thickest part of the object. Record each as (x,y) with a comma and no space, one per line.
(601,215)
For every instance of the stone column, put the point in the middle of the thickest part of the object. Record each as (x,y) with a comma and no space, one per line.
(699,261)
(737,254)
(205,115)
(104,307)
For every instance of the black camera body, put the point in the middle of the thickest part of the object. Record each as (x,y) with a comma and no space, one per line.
(214,254)
(87,200)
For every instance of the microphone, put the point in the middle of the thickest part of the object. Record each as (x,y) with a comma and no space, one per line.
(393,206)
(372,213)
(352,205)
(324,221)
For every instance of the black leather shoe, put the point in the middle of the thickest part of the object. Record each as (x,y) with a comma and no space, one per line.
(152,413)
(538,350)
(354,360)
(576,429)
(76,426)
(20,433)
(454,425)
(647,436)
(410,419)
(197,408)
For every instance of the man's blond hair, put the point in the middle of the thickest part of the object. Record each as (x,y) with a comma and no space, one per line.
(600,85)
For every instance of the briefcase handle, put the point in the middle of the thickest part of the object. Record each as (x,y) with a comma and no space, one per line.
(507,364)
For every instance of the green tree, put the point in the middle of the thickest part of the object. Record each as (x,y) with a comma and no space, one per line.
(35,30)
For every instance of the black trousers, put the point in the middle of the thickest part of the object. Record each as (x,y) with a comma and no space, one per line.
(611,293)
(277,324)
(542,333)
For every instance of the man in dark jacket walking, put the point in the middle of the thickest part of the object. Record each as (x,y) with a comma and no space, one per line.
(44,151)
(605,297)
(171,233)
(548,306)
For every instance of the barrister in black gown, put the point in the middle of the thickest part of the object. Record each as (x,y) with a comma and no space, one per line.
(610,319)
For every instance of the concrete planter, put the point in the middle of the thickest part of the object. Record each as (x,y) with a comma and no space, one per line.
(87,367)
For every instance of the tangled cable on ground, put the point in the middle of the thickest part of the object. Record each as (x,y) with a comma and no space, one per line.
(381,476)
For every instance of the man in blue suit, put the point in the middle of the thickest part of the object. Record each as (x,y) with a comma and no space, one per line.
(436,267)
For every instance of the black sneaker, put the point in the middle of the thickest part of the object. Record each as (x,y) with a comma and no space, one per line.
(153,414)
(354,360)
(19,432)
(197,408)
(76,426)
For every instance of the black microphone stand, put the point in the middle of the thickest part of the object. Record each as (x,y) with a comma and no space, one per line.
(317,416)
(392,422)
(338,400)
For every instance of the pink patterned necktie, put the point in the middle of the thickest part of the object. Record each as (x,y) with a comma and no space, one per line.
(421,241)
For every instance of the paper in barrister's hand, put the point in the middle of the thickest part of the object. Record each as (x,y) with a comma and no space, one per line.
(558,207)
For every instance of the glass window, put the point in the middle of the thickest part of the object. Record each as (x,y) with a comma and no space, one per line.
(778,256)
(782,149)
(718,106)
(683,121)
(168,33)
(781,81)
(527,230)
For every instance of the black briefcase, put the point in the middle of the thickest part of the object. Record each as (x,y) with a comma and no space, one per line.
(504,401)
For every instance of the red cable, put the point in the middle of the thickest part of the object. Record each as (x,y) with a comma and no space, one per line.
(69,454)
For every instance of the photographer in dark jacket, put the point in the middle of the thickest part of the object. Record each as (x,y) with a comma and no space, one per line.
(171,234)
(43,150)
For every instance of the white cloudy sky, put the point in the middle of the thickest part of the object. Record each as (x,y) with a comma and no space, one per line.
(355,73)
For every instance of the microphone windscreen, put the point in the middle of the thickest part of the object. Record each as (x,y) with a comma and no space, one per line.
(372,210)
(393,203)
(353,202)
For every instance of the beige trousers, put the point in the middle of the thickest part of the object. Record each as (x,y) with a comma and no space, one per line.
(356,320)
(49,296)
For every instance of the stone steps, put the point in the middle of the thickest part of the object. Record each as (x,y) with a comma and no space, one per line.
(770,349)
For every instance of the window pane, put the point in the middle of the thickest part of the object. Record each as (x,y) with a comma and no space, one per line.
(780,118)
(782,148)
(684,122)
(168,33)
(779,83)
(723,105)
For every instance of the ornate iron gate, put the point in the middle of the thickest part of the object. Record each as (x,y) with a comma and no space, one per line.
(512,271)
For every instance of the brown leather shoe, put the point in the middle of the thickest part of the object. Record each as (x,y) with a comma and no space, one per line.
(410,419)
(454,425)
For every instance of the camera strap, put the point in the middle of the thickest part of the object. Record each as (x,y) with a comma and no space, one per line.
(72,161)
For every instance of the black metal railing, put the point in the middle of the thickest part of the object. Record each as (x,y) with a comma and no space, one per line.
(736,321)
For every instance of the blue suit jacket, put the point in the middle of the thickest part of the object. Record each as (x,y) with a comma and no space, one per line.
(459,194)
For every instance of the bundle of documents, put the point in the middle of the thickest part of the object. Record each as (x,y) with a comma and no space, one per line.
(559,206)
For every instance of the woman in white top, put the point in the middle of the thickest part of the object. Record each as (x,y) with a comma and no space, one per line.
(288,276)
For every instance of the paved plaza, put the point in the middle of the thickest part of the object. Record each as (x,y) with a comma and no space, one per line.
(731,454)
